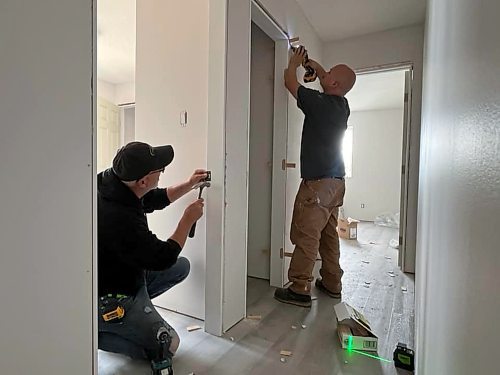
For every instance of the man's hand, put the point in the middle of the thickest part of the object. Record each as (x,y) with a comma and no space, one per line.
(194,211)
(191,214)
(317,67)
(198,176)
(297,58)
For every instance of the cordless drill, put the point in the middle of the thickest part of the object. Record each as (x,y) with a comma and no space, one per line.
(310,75)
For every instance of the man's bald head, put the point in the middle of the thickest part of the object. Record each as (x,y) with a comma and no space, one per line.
(339,80)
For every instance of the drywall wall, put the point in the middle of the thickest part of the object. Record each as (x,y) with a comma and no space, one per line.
(46,219)
(388,47)
(172,76)
(376,164)
(106,90)
(122,93)
(458,260)
(125,93)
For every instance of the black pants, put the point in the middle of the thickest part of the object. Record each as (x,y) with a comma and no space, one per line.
(136,335)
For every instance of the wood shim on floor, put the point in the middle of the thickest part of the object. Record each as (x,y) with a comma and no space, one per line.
(254,317)
(193,328)
(286,353)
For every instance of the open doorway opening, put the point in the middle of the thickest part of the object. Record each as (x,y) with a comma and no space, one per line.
(260,154)
(116,45)
(267,149)
(376,152)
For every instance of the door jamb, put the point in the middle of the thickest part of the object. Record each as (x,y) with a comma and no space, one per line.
(261,17)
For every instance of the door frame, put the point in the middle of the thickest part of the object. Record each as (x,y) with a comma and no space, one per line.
(408,67)
(228,156)
(270,26)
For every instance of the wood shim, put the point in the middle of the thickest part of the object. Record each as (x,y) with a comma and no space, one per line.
(254,317)
(286,353)
(193,328)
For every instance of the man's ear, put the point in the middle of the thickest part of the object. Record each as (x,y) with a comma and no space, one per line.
(142,182)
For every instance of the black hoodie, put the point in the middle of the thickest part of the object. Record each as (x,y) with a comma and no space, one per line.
(126,246)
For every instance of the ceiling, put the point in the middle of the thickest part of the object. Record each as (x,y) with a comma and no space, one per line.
(116,41)
(116,27)
(360,17)
(377,91)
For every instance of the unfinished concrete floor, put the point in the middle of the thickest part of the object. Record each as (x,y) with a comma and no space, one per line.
(253,346)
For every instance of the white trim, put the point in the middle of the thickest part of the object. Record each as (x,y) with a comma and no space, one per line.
(266,22)
(216,150)
(385,68)
(95,364)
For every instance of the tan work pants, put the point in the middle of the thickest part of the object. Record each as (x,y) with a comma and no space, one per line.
(314,228)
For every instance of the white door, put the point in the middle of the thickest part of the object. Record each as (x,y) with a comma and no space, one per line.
(108,133)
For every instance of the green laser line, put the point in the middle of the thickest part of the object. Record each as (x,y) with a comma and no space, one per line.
(350,349)
(372,356)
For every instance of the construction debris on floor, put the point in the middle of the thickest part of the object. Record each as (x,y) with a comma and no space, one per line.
(193,328)
(348,228)
(354,329)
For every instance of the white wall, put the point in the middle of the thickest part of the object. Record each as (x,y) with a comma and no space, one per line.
(376,167)
(125,93)
(46,217)
(393,46)
(171,76)
(458,254)
(121,93)
(106,90)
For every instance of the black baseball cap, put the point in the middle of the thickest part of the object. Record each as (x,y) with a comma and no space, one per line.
(136,159)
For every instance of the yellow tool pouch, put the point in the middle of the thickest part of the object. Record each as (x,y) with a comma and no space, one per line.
(117,313)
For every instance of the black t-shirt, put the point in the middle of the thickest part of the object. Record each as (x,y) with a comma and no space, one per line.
(324,127)
(126,246)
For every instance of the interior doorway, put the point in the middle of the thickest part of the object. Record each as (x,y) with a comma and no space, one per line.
(260,154)
(268,133)
(376,150)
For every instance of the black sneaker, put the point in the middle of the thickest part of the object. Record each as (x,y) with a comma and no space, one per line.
(320,286)
(287,296)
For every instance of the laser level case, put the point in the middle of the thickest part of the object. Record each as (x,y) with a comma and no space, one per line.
(354,329)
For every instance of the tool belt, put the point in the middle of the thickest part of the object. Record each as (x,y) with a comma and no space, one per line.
(110,308)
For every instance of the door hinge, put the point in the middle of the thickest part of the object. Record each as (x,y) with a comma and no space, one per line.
(406,97)
(403,169)
(281,253)
(285,165)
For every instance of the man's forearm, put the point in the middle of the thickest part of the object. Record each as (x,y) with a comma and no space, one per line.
(177,191)
(181,232)
(317,67)
(291,82)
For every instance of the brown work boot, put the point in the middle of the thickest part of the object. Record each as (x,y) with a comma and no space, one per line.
(288,296)
(320,286)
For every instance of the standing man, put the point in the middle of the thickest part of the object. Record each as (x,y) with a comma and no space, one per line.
(321,191)
(135,266)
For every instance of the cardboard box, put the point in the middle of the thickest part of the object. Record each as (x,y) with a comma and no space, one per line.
(354,329)
(348,228)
